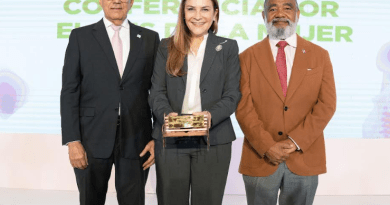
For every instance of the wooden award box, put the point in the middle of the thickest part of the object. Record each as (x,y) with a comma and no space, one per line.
(186,125)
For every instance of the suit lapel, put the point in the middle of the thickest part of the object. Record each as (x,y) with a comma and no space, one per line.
(135,47)
(184,77)
(208,58)
(300,65)
(185,70)
(209,55)
(100,33)
(266,63)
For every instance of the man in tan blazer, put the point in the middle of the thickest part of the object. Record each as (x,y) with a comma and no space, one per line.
(288,98)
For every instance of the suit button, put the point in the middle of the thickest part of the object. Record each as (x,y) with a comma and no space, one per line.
(121,88)
(285,108)
(280,133)
(204,90)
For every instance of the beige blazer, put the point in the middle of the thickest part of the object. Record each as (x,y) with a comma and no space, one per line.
(266,116)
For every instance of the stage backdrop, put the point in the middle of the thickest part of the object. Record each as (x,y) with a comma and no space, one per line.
(34,35)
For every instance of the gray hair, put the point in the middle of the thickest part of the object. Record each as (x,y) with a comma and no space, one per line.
(266,6)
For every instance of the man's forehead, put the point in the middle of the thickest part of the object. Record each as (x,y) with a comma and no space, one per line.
(281,2)
(130,1)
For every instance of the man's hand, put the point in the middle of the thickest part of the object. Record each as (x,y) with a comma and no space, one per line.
(148,148)
(77,155)
(292,145)
(277,153)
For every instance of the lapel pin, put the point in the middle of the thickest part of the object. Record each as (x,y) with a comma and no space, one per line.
(139,35)
(218,48)
(303,51)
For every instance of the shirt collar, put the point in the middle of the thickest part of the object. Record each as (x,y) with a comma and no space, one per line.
(108,23)
(205,38)
(203,44)
(292,41)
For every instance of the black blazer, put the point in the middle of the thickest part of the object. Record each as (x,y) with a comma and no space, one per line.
(219,86)
(92,89)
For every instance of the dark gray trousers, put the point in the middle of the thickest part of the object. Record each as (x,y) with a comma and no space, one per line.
(130,179)
(294,189)
(186,166)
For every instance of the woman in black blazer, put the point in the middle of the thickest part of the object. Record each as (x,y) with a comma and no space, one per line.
(196,72)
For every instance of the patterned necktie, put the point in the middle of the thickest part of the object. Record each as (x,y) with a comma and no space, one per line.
(281,65)
(118,48)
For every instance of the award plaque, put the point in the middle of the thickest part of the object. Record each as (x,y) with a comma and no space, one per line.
(186,125)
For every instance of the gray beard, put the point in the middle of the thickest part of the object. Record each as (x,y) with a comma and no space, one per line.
(281,33)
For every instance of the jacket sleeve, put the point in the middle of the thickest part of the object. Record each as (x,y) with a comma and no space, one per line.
(247,117)
(155,49)
(155,45)
(70,92)
(158,99)
(313,125)
(231,91)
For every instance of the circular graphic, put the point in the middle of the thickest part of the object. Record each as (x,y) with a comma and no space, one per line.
(383,59)
(13,93)
(388,56)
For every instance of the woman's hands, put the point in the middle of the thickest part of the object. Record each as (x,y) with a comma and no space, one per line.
(172,114)
(207,113)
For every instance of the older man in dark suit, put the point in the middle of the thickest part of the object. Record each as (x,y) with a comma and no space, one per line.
(106,119)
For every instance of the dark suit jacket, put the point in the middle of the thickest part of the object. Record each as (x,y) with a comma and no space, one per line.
(92,90)
(219,86)
(266,116)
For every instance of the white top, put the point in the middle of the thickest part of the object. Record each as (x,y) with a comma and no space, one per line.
(289,50)
(192,101)
(124,34)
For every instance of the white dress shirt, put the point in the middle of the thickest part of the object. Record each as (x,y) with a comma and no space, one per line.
(192,101)
(289,50)
(124,34)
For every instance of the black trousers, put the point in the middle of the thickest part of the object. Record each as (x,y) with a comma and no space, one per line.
(130,179)
(186,166)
